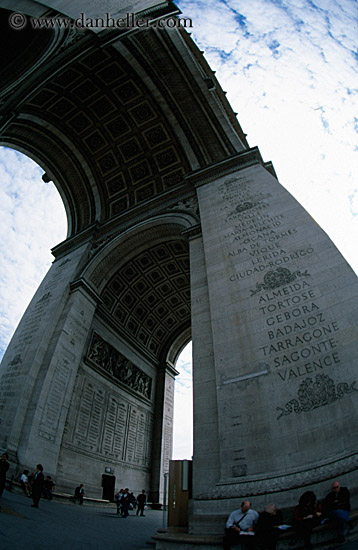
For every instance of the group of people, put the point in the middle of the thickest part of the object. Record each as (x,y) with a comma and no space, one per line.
(125,500)
(34,485)
(27,482)
(260,531)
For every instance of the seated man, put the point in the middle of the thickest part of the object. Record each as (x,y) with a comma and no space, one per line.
(240,525)
(337,507)
(49,488)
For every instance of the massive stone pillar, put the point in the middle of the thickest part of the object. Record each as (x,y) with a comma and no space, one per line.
(274,320)
(40,365)
(163,430)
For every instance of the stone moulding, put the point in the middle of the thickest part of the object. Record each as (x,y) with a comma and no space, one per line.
(276,484)
(232,164)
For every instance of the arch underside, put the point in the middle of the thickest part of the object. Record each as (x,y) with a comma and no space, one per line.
(138,137)
(117,121)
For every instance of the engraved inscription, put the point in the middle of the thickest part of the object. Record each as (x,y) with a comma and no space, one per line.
(54,401)
(300,340)
(107,424)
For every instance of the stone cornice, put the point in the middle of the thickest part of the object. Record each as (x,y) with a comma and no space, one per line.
(193,232)
(269,484)
(171,370)
(225,167)
(83,285)
(74,242)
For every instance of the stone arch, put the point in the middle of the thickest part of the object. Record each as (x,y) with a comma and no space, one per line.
(157,135)
(143,268)
(178,345)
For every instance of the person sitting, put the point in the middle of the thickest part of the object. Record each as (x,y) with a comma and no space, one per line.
(337,507)
(48,488)
(308,514)
(266,531)
(241,522)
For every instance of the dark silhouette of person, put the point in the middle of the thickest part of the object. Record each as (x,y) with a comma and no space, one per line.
(49,488)
(118,497)
(141,502)
(79,493)
(266,531)
(37,485)
(337,506)
(4,466)
(308,514)
(125,501)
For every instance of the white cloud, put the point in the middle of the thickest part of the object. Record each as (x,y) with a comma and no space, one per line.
(289,69)
(32,221)
(183,407)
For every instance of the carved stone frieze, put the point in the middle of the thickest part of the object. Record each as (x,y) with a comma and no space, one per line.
(108,358)
(316,393)
(278,277)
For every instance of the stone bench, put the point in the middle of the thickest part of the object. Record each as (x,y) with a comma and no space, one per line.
(322,535)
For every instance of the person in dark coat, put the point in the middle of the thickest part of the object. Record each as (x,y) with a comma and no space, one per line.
(4,466)
(337,506)
(37,485)
(266,531)
(308,514)
(125,501)
(141,502)
(79,493)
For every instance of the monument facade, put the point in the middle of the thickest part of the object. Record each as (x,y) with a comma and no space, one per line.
(177,230)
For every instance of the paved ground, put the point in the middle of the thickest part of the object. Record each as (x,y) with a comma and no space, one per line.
(66,526)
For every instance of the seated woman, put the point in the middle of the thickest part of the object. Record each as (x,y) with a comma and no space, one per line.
(308,514)
(266,531)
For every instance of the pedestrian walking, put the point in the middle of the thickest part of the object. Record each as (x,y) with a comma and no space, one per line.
(79,493)
(141,502)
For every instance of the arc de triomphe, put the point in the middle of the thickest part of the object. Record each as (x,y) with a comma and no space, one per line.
(177,230)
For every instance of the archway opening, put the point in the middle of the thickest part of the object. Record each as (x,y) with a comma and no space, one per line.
(33,221)
(183,406)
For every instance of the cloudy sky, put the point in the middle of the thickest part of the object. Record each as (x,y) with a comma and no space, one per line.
(290,71)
